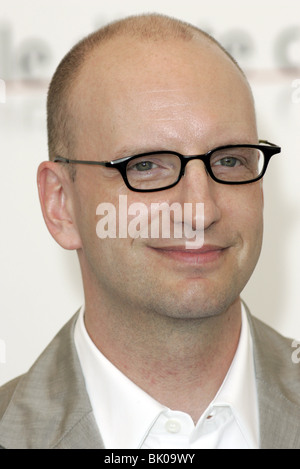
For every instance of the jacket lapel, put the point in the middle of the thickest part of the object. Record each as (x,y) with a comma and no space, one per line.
(84,435)
(278,388)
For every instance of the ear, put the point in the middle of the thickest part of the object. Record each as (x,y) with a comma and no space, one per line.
(54,185)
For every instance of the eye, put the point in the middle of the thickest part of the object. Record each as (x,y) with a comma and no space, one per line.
(143,166)
(228,161)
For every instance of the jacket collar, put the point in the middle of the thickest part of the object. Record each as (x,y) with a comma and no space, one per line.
(278,388)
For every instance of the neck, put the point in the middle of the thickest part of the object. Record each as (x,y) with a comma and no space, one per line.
(159,353)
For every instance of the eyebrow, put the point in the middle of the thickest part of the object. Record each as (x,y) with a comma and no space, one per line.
(132,151)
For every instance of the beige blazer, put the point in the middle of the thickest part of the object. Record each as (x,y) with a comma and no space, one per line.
(48,407)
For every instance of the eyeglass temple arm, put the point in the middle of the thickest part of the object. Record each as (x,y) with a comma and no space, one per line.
(60,159)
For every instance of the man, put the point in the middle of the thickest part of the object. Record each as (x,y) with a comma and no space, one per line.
(163,354)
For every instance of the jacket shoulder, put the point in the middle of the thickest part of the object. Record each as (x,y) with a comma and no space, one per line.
(274,354)
(278,387)
(47,406)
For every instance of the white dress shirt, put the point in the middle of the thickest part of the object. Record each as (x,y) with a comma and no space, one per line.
(128,418)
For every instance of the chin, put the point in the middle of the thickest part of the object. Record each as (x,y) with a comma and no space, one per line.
(199,306)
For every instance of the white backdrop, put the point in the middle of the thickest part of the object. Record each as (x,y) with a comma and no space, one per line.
(40,282)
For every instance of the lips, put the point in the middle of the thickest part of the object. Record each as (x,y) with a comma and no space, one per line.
(207,254)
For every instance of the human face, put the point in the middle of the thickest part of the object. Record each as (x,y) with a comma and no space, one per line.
(182,96)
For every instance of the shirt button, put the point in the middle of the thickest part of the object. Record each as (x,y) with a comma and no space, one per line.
(173,426)
(211,415)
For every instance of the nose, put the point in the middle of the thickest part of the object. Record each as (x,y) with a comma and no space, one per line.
(196,186)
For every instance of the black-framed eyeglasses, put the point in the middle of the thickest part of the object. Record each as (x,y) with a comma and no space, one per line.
(159,170)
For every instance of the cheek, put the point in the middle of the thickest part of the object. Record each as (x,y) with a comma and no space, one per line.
(252,214)
(247,219)
(244,207)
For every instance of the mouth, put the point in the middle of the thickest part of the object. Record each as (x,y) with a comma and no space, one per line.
(208,254)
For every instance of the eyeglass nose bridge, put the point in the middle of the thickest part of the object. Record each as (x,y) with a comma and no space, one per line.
(186,159)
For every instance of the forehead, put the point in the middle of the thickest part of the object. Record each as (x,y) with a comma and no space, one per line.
(129,84)
(144,61)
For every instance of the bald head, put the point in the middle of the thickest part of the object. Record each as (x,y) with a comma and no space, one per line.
(148,29)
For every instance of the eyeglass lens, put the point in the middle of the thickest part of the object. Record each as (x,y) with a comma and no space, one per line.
(237,164)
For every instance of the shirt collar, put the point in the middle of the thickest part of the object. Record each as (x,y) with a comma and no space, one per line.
(122,410)
(238,390)
(124,418)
